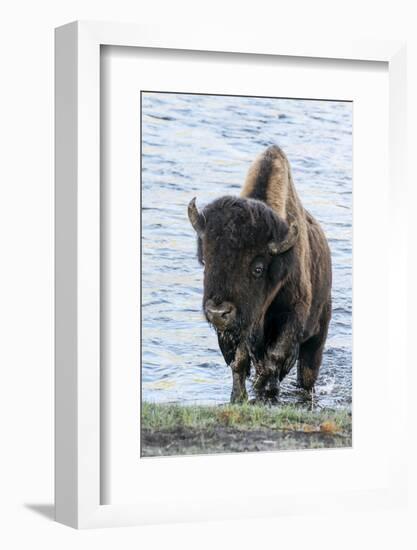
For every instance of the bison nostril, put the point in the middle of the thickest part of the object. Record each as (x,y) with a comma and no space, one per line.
(225,312)
(220,314)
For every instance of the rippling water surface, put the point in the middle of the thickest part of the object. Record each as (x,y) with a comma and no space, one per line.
(196,145)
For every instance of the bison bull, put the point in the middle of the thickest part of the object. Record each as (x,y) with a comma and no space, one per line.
(267,279)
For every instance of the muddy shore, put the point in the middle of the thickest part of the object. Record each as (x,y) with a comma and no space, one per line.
(188,441)
(171,429)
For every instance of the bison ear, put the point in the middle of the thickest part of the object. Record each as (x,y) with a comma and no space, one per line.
(196,218)
(276,248)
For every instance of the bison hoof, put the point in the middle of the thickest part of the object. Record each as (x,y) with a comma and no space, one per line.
(269,396)
(238,397)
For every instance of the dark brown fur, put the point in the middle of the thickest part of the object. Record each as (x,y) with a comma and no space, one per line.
(284,314)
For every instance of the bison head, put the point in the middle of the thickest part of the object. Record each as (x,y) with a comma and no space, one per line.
(246,250)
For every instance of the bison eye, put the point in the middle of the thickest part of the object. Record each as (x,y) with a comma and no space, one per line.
(257,270)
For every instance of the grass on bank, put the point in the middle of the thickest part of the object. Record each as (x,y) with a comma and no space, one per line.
(245,417)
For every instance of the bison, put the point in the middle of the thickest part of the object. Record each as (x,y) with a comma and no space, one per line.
(267,279)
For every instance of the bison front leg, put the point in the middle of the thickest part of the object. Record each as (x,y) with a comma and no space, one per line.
(240,369)
(280,358)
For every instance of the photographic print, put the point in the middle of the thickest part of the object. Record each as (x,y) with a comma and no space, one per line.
(246,274)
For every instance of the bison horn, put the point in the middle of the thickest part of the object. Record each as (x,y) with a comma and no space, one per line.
(292,236)
(197,220)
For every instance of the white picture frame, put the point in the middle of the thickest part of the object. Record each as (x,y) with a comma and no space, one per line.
(78,405)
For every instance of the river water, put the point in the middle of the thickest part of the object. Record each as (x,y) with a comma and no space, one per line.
(202,145)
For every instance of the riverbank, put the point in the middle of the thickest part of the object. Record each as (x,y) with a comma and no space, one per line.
(169,429)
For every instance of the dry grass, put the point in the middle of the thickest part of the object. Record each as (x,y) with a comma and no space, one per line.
(285,418)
